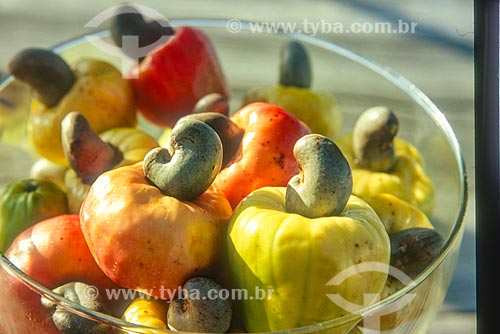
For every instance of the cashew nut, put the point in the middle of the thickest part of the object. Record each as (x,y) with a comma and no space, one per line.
(87,154)
(189,164)
(295,67)
(229,133)
(201,310)
(69,322)
(324,183)
(373,137)
(47,74)
(129,22)
(213,102)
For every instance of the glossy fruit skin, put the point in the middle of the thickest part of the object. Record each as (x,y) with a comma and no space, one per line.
(133,145)
(52,252)
(265,155)
(174,76)
(295,257)
(25,202)
(408,180)
(100,93)
(147,312)
(147,241)
(396,214)
(318,109)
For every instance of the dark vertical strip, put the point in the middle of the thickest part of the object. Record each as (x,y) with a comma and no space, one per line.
(487,164)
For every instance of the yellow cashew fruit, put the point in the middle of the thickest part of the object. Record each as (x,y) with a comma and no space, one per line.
(293,258)
(396,214)
(147,312)
(99,92)
(408,180)
(319,110)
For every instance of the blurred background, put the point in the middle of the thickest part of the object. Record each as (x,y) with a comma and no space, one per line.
(437,56)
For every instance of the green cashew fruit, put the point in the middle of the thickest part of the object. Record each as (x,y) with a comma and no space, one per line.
(25,202)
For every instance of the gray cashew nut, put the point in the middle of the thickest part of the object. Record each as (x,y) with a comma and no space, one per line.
(202,308)
(295,66)
(324,183)
(71,323)
(373,139)
(190,163)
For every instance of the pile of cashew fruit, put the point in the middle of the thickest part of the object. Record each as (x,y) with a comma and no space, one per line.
(264,198)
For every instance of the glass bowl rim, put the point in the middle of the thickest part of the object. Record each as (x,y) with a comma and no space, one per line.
(385,72)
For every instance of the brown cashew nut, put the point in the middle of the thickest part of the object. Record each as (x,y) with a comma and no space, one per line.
(229,133)
(324,183)
(47,74)
(213,102)
(129,22)
(295,66)
(87,154)
(188,165)
(373,139)
(413,249)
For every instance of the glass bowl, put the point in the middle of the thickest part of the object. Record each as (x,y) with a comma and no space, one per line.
(250,60)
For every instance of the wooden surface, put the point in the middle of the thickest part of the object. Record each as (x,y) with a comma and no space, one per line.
(437,58)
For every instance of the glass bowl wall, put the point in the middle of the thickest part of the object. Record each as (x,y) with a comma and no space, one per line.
(251,60)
